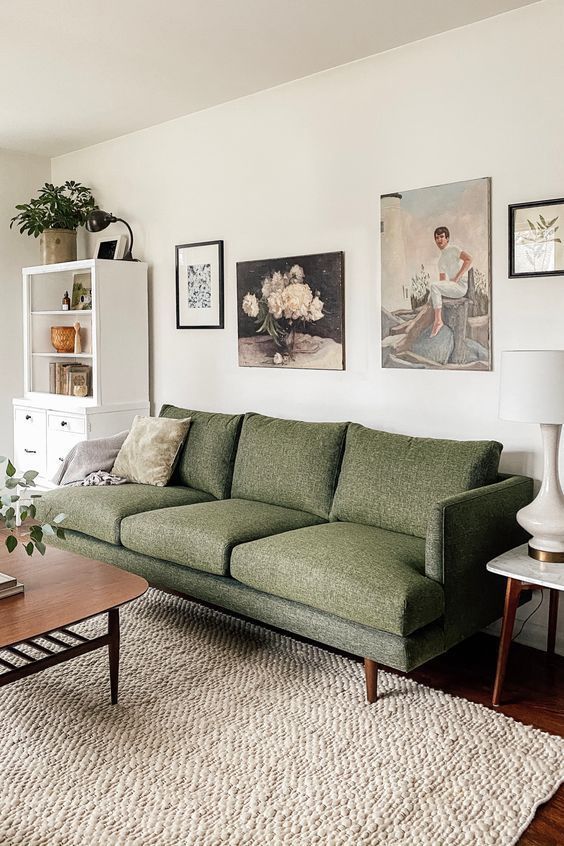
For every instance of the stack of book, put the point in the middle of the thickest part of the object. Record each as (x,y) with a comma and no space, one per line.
(63,378)
(9,585)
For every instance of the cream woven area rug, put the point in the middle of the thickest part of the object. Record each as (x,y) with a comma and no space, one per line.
(227,733)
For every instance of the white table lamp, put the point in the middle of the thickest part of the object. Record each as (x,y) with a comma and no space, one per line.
(532,391)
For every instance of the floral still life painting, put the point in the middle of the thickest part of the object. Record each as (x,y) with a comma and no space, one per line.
(291,312)
(436,277)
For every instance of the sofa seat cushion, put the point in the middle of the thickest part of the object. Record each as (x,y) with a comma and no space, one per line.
(394,481)
(98,511)
(202,536)
(360,573)
(288,463)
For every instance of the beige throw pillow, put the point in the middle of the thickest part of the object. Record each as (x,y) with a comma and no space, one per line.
(150,451)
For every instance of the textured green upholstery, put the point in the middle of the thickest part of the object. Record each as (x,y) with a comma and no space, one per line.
(465,532)
(206,461)
(98,511)
(403,653)
(202,536)
(361,573)
(393,481)
(288,463)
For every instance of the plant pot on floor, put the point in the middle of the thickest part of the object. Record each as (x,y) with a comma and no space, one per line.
(57,245)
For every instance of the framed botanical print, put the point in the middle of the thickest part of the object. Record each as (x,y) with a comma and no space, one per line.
(199,285)
(535,239)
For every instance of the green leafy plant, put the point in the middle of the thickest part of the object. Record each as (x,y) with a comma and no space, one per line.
(9,501)
(57,207)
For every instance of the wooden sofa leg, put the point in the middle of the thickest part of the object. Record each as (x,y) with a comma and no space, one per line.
(371,675)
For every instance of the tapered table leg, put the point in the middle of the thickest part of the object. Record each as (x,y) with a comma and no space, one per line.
(512,593)
(552,620)
(113,650)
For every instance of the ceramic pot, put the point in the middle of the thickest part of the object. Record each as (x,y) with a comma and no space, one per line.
(62,338)
(57,245)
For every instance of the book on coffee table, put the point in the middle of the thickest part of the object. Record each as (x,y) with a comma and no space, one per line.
(7,581)
(11,591)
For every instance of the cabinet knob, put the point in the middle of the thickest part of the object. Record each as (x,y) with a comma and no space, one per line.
(30,451)
(28,417)
(64,423)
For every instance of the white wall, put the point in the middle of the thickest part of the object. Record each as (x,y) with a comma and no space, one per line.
(300,169)
(20,177)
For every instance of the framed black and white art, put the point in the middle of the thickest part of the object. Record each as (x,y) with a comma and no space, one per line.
(535,239)
(199,285)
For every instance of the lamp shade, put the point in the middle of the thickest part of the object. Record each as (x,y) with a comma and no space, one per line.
(99,220)
(532,386)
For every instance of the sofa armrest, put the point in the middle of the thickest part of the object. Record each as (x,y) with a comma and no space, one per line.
(464,533)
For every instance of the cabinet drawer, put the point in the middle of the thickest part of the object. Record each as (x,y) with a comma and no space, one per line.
(59,442)
(29,418)
(67,423)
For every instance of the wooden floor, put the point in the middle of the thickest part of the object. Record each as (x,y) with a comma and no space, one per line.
(533,694)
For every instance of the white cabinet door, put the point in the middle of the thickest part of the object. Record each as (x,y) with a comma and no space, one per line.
(59,442)
(30,439)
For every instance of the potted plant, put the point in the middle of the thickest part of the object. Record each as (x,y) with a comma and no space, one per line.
(55,215)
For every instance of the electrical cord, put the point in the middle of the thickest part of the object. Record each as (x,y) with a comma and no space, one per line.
(526,620)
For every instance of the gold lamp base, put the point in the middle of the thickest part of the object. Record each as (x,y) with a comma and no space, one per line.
(546,557)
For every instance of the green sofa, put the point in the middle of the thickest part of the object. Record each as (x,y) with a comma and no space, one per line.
(367,541)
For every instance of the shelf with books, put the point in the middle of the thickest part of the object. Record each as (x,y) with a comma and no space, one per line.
(111,369)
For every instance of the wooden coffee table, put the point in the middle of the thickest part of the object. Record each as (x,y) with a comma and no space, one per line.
(61,589)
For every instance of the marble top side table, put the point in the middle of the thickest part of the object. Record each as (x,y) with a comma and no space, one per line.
(523,573)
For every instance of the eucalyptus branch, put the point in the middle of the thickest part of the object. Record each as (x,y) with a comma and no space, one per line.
(8,515)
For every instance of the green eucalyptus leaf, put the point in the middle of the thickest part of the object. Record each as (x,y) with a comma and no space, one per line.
(40,547)
(29,548)
(10,469)
(59,518)
(48,529)
(11,543)
(61,533)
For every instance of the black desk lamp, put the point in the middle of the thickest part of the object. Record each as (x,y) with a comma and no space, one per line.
(98,220)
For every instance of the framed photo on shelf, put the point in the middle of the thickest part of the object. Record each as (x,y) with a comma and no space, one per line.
(81,292)
(535,239)
(110,248)
(199,285)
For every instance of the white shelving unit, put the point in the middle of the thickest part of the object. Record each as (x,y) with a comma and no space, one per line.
(114,337)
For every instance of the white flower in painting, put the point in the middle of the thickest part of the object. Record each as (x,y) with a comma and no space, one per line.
(296,300)
(274,284)
(275,305)
(250,305)
(316,309)
(278,359)
(296,273)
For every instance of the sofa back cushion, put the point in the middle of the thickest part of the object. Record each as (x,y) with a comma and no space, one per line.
(206,461)
(288,463)
(393,481)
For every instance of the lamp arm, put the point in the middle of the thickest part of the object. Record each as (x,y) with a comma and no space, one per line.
(128,255)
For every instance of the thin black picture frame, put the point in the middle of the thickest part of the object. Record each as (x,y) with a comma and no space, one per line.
(513,274)
(220,265)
